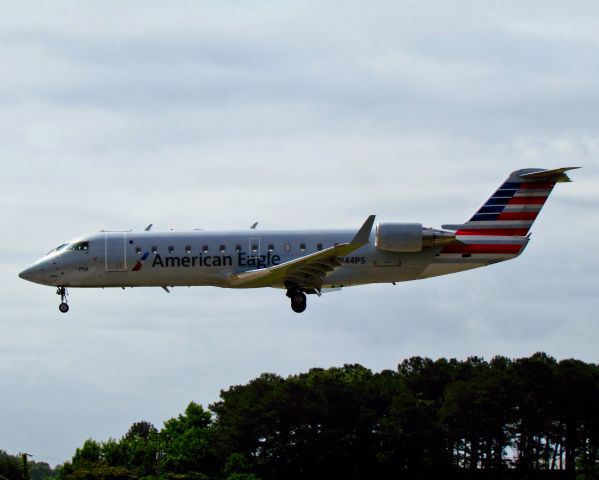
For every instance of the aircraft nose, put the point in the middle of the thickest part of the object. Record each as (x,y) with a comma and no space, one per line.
(27,274)
(34,273)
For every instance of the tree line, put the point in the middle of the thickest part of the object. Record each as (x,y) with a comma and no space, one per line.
(13,467)
(525,418)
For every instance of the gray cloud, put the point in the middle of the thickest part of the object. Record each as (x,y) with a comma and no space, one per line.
(216,116)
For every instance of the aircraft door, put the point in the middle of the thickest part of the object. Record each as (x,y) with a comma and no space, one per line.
(115,251)
(254,247)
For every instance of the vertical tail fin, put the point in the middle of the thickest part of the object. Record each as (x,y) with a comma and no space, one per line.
(515,205)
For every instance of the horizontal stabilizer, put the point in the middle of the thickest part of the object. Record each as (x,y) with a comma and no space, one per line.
(556,174)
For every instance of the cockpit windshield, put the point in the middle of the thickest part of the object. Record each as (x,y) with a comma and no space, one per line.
(58,249)
(79,246)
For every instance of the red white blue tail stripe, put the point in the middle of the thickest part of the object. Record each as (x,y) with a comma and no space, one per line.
(510,211)
(499,229)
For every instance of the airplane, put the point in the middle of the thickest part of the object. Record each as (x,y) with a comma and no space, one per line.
(302,262)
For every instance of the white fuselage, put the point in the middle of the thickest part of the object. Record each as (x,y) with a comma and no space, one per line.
(198,257)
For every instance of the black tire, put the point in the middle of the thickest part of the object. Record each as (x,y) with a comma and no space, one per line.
(63,307)
(298,302)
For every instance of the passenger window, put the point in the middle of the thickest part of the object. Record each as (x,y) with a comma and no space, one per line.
(154,249)
(287,247)
(237,248)
(205,249)
(271,247)
(254,248)
(171,249)
(222,249)
(302,247)
(138,250)
(319,246)
(187,248)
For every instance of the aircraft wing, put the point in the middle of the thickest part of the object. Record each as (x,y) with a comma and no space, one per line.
(307,271)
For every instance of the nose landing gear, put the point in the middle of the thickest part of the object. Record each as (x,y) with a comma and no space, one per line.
(64,306)
(298,300)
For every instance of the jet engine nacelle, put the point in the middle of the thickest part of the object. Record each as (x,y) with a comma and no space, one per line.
(410,237)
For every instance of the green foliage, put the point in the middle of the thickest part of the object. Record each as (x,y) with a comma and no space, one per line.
(427,419)
(188,441)
(140,431)
(290,426)
(40,471)
(101,471)
(90,452)
(131,457)
(236,467)
(242,476)
(9,466)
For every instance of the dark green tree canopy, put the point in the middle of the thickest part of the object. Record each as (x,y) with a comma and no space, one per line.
(427,419)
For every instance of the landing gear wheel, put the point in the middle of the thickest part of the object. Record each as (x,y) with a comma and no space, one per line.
(298,302)
(63,307)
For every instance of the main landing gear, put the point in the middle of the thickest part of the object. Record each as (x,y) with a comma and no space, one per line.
(298,300)
(64,306)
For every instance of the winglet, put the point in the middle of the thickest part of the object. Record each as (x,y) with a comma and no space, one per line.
(363,235)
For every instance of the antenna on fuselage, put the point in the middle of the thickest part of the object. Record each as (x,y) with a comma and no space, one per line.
(148,227)
(253,227)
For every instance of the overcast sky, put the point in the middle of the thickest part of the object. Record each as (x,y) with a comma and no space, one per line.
(219,114)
